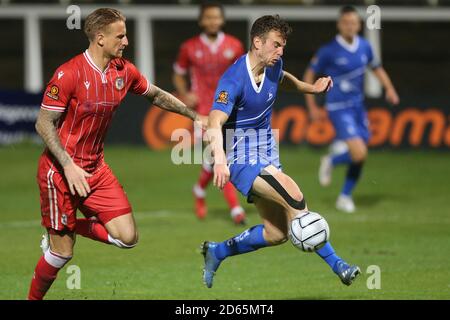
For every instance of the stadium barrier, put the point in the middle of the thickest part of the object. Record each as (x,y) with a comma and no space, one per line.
(18,113)
(410,126)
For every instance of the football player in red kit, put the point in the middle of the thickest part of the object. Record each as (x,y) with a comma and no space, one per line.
(206,57)
(75,114)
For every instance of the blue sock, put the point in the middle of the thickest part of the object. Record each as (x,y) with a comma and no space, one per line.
(353,174)
(329,256)
(348,187)
(250,240)
(342,158)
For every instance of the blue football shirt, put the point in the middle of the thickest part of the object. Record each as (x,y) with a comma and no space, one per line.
(346,64)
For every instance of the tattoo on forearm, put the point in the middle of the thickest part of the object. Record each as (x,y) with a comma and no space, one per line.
(46,128)
(168,102)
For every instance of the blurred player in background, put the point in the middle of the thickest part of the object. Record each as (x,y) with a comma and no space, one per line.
(345,59)
(75,114)
(205,57)
(240,122)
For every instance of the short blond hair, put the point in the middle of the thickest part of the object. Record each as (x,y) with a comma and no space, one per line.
(99,20)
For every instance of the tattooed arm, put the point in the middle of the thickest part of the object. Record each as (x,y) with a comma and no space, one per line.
(46,128)
(168,102)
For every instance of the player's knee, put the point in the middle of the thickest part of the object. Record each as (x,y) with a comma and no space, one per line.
(296,199)
(292,189)
(359,155)
(64,253)
(127,240)
(297,195)
(57,258)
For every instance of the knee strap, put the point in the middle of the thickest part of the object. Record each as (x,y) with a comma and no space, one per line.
(270,179)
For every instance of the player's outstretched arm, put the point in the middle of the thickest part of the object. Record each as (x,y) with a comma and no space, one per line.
(46,128)
(315,112)
(215,139)
(290,82)
(168,102)
(391,93)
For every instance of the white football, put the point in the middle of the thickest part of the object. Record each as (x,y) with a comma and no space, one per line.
(309,231)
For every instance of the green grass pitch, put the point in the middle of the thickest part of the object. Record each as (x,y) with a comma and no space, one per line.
(402,225)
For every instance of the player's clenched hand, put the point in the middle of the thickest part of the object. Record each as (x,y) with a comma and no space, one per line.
(201,121)
(323,85)
(392,97)
(76,178)
(221,175)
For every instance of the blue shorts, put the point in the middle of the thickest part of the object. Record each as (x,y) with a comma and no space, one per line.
(350,123)
(243,175)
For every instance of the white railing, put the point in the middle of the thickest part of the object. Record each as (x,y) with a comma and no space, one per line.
(145,14)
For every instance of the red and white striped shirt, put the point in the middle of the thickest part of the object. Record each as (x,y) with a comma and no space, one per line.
(89,98)
(206,61)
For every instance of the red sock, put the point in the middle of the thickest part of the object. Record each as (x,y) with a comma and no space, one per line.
(44,275)
(229,192)
(92,229)
(205,177)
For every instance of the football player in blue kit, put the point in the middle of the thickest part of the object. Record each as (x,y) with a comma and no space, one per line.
(345,59)
(245,152)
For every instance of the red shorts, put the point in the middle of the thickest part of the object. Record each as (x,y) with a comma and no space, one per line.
(107,199)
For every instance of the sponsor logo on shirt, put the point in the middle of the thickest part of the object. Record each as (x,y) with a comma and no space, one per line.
(53,93)
(341,61)
(223,97)
(198,54)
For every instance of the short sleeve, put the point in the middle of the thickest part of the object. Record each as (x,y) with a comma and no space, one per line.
(226,95)
(182,64)
(320,61)
(139,83)
(59,90)
(373,61)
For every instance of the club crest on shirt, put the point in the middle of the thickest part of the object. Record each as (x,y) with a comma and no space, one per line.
(222,97)
(53,93)
(119,83)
